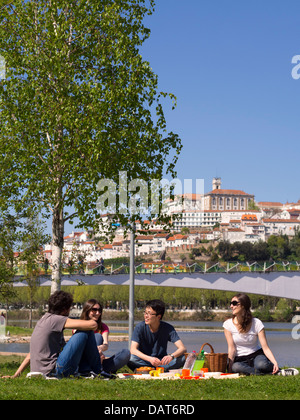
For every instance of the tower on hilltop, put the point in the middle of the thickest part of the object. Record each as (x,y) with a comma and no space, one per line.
(216,184)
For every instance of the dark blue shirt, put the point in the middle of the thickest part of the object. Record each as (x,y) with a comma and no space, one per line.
(154,344)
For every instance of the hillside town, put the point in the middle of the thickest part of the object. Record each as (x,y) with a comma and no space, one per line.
(219,215)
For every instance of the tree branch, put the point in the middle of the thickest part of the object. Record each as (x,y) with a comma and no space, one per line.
(70,216)
(49,140)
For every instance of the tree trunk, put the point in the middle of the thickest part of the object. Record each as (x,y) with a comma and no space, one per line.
(57,248)
(30,315)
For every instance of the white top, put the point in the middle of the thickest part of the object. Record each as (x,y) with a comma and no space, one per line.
(245,343)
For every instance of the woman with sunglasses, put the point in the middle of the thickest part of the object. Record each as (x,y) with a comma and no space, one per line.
(92,310)
(248,350)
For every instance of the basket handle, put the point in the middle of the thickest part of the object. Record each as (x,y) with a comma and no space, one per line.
(206,344)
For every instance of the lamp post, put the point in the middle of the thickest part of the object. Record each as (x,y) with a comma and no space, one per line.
(131,284)
(131,281)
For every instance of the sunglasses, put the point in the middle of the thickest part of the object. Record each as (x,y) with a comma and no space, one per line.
(95,310)
(234,303)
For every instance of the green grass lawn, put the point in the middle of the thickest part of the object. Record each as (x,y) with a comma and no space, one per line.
(245,388)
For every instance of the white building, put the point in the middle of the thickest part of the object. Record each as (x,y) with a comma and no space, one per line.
(215,207)
(281,226)
(290,214)
(234,235)
(177,240)
(196,219)
(185,202)
(223,199)
(251,215)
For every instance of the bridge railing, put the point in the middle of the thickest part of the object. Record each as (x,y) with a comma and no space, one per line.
(198,267)
(207,267)
(174,268)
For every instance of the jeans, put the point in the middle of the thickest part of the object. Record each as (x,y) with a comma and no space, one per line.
(79,354)
(136,362)
(256,365)
(99,339)
(116,362)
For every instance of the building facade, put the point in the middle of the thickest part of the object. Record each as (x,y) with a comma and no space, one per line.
(221,199)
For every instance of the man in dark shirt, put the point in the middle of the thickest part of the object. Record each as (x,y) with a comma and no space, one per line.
(150,341)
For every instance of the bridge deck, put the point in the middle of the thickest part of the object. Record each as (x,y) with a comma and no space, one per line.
(280,284)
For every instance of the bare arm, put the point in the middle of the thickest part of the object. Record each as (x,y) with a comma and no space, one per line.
(231,348)
(134,349)
(266,349)
(179,352)
(104,346)
(22,367)
(181,349)
(79,324)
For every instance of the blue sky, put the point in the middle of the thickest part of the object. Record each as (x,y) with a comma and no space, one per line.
(229,63)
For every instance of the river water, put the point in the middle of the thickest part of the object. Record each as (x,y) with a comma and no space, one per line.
(283,339)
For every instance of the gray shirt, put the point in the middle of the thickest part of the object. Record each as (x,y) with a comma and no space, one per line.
(46,343)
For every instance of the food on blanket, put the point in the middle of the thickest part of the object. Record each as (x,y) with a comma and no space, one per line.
(130,374)
(186,372)
(143,369)
(198,373)
(154,373)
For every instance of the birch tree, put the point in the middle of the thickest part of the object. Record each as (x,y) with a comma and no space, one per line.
(78,104)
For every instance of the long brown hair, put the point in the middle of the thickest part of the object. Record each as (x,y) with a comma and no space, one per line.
(86,310)
(247,317)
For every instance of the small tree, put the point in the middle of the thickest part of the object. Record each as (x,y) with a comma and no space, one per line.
(78,104)
(284,312)
(10,237)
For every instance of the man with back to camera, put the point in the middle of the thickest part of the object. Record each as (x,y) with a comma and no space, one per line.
(48,351)
(150,341)
(50,355)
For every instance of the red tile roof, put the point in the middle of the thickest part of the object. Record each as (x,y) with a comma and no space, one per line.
(281,221)
(249,217)
(269,204)
(228,192)
(177,236)
(144,237)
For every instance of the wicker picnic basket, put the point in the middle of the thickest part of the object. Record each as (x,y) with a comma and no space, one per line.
(216,362)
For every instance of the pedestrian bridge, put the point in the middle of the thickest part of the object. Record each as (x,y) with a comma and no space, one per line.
(279,284)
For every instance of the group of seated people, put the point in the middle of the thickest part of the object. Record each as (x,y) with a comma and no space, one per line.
(83,354)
